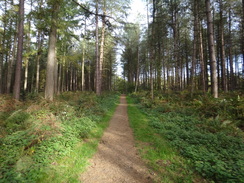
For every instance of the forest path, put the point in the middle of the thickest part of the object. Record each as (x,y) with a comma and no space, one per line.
(117,160)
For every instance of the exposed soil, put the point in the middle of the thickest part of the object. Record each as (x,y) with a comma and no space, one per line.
(117,160)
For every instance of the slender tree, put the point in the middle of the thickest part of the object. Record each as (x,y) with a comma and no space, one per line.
(51,58)
(97,83)
(212,56)
(83,59)
(17,83)
(194,54)
(222,48)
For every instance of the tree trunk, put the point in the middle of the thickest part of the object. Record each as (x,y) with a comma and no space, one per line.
(214,85)
(231,54)
(28,48)
(152,51)
(242,40)
(137,69)
(194,54)
(2,47)
(83,60)
(51,58)
(222,48)
(26,63)
(97,84)
(17,83)
(203,76)
(39,52)
(99,81)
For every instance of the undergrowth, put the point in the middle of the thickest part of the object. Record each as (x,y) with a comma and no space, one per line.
(165,163)
(205,131)
(36,136)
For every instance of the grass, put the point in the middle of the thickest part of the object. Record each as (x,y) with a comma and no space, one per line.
(51,142)
(209,140)
(68,169)
(165,161)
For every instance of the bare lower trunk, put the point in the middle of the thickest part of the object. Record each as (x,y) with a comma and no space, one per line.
(194,55)
(51,73)
(223,64)
(97,84)
(39,51)
(17,83)
(137,69)
(83,61)
(26,74)
(203,77)
(51,63)
(231,54)
(212,56)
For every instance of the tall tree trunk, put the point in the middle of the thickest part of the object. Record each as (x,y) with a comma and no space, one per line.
(187,63)
(38,57)
(1,71)
(26,64)
(55,73)
(97,84)
(222,48)
(137,68)
(17,83)
(194,54)
(83,60)
(2,48)
(28,48)
(100,80)
(39,51)
(212,56)
(60,70)
(152,55)
(203,76)
(242,42)
(231,53)
(89,76)
(51,58)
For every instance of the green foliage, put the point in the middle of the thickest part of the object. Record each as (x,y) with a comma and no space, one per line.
(16,121)
(167,165)
(203,131)
(42,135)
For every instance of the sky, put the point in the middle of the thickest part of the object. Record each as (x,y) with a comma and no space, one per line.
(138,13)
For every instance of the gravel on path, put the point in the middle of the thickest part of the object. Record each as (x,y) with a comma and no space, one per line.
(117,160)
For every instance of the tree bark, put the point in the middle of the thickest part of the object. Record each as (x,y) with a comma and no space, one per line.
(231,81)
(223,61)
(83,60)
(212,56)
(242,40)
(17,83)
(101,59)
(51,58)
(137,68)
(97,84)
(194,54)
(203,76)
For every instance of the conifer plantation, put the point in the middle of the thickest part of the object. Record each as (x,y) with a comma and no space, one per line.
(64,64)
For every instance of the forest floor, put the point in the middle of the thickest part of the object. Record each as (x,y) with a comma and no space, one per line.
(117,159)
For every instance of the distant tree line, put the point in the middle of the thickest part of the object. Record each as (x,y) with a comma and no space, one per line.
(54,46)
(194,45)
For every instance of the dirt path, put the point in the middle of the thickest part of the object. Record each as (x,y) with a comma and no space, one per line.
(117,160)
